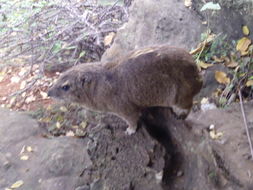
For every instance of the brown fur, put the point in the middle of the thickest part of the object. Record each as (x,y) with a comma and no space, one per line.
(155,76)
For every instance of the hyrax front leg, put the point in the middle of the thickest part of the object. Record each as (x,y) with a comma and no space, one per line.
(131,119)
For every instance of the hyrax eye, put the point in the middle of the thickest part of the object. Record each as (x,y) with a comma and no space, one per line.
(65,87)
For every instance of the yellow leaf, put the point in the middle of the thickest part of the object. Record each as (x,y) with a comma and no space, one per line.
(1,78)
(43,95)
(17,184)
(109,38)
(83,124)
(22,85)
(24,157)
(232,64)
(63,109)
(75,126)
(29,149)
(218,60)
(187,3)
(58,125)
(204,65)
(249,83)
(221,77)
(203,44)
(243,44)
(245,30)
(70,134)
(215,135)
(15,79)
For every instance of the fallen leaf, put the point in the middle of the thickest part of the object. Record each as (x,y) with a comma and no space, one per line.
(30,99)
(70,134)
(109,38)
(204,101)
(45,119)
(22,85)
(243,45)
(15,79)
(221,77)
(80,133)
(23,94)
(187,3)
(17,184)
(12,101)
(29,149)
(58,125)
(1,78)
(49,107)
(232,64)
(43,95)
(210,6)
(63,109)
(75,126)
(218,60)
(24,157)
(22,71)
(215,135)
(245,30)
(83,124)
(4,98)
(201,45)
(249,83)
(204,65)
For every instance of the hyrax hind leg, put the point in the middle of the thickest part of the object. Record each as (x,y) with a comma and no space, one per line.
(182,108)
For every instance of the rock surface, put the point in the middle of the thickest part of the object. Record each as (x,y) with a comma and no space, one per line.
(106,159)
(230,18)
(156,22)
(165,153)
(51,163)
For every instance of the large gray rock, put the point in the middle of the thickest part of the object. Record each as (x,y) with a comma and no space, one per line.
(154,22)
(230,18)
(52,164)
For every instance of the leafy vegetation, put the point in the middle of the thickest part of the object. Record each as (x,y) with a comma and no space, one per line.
(237,59)
(56,32)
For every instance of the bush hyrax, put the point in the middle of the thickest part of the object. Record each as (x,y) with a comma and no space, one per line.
(156,76)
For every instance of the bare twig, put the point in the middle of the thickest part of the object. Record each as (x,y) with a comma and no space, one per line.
(31,84)
(246,124)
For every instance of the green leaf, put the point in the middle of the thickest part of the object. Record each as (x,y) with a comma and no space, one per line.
(57,47)
(82,54)
(210,6)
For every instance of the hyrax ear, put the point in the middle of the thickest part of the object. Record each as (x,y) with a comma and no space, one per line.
(85,79)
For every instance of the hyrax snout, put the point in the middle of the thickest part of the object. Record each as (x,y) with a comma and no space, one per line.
(156,76)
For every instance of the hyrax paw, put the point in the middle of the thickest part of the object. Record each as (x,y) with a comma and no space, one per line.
(130,131)
(182,116)
(180,113)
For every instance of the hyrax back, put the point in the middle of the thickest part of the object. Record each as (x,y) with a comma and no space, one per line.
(156,76)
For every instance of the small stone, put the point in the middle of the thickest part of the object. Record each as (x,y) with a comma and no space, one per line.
(211,127)
(180,173)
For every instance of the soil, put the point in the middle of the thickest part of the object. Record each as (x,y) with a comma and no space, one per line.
(13,95)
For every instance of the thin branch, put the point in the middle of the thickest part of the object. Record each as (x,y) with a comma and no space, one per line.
(246,124)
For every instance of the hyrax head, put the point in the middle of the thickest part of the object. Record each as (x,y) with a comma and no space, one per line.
(75,84)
